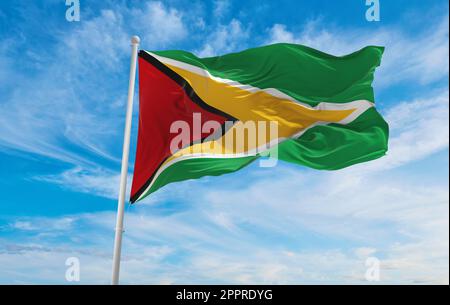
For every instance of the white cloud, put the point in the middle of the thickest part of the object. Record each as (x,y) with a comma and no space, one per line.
(69,110)
(221,7)
(227,38)
(419,128)
(159,24)
(58,107)
(314,236)
(98,181)
(279,33)
(44,224)
(365,252)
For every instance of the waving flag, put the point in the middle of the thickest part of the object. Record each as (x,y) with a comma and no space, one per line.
(323,107)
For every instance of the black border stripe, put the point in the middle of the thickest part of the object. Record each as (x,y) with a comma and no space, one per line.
(147,183)
(183,84)
(192,95)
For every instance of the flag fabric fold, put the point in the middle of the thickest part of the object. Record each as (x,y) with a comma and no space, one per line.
(323,106)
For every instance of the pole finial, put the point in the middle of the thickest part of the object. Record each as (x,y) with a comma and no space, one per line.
(135,40)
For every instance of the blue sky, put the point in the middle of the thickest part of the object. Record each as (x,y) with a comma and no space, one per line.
(62,107)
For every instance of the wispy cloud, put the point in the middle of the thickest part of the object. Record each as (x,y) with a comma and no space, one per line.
(315,235)
(160,25)
(55,112)
(418,129)
(69,111)
(99,181)
(221,7)
(226,38)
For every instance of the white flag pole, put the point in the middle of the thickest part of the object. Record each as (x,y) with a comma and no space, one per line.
(124,170)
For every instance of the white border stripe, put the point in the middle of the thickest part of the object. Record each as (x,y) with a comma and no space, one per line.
(271,91)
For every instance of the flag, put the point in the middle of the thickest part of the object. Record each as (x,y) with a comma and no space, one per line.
(322,107)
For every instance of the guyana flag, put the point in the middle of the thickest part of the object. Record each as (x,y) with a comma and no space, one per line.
(321,105)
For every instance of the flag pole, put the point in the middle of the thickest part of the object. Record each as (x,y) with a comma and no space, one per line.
(124,169)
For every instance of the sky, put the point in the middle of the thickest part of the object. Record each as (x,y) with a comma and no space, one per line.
(63,88)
